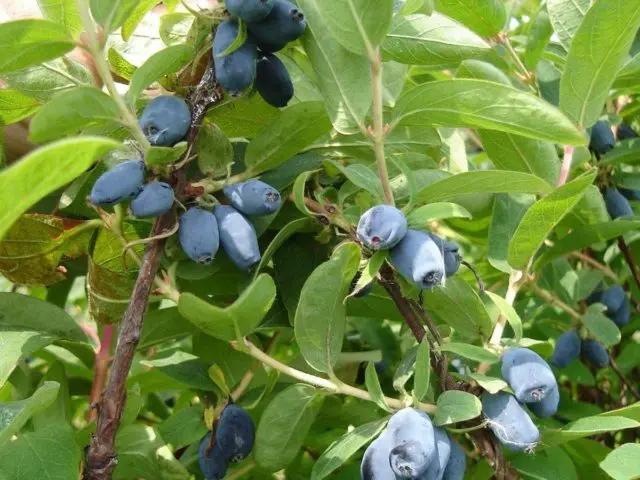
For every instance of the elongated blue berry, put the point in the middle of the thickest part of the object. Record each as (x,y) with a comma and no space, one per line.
(527,374)
(509,422)
(375,463)
(120,183)
(212,462)
(381,227)
(548,406)
(617,205)
(602,139)
(595,353)
(457,463)
(450,253)
(253,198)
(235,433)
(567,349)
(249,10)
(198,235)
(273,81)
(418,259)
(285,23)
(165,120)
(235,71)
(238,237)
(155,199)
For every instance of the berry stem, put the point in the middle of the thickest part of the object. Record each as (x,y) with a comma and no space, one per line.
(597,265)
(340,389)
(96,50)
(101,368)
(377,133)
(628,256)
(510,296)
(567,160)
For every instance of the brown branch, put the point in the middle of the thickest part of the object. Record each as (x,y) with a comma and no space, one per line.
(482,439)
(101,455)
(626,251)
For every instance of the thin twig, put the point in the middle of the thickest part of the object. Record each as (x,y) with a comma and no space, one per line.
(377,132)
(624,379)
(554,300)
(628,256)
(597,265)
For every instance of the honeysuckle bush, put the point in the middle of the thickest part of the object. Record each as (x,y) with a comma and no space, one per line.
(472,116)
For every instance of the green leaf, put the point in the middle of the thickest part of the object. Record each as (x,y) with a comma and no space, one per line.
(184,427)
(238,319)
(363,177)
(217,375)
(296,127)
(70,112)
(458,305)
(338,72)
(566,16)
(592,64)
(174,27)
(421,216)
(344,447)
(359,25)
(298,191)
(14,415)
(120,65)
(283,234)
(215,151)
(243,117)
(436,42)
(471,352)
(14,106)
(482,71)
(422,371)
(31,41)
(624,462)
(627,152)
(411,182)
(485,17)
(456,406)
(31,250)
(482,104)
(111,14)
(372,383)
(546,464)
(135,17)
(369,272)
(538,38)
(162,325)
(63,12)
(405,370)
(483,181)
(321,314)
(509,312)
(50,453)
(586,427)
(44,171)
(508,210)
(183,367)
(490,384)
(602,328)
(543,217)
(521,154)
(585,236)
(165,155)
(158,65)
(291,411)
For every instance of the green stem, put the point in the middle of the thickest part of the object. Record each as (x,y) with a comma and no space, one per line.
(377,134)
(521,66)
(97,52)
(340,389)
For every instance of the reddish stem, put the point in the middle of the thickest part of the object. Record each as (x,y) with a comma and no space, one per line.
(103,358)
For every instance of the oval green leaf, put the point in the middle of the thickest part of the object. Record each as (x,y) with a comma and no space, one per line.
(482,104)
(235,321)
(456,406)
(291,411)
